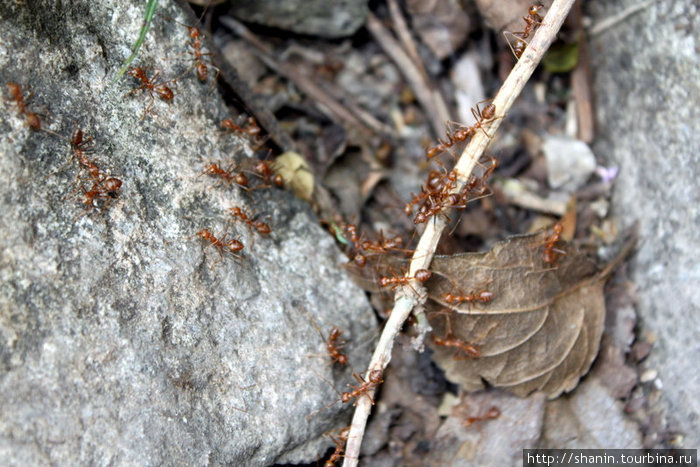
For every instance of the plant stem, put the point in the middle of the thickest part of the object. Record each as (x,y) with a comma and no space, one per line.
(407,299)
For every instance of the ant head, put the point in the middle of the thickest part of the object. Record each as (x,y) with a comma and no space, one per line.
(342,359)
(534,9)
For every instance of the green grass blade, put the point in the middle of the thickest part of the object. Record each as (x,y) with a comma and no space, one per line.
(148,17)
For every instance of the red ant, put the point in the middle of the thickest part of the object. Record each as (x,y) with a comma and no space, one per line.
(460,135)
(483,116)
(267,174)
(251,129)
(227,175)
(550,253)
(470,350)
(201,68)
(31,118)
(261,227)
(233,246)
(106,189)
(332,347)
(483,296)
(355,254)
(395,281)
(374,380)
(340,439)
(533,20)
(16,91)
(80,146)
(490,414)
(163,91)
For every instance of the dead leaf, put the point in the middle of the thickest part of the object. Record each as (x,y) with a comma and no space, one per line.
(541,330)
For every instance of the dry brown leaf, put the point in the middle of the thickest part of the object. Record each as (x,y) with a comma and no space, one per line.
(542,329)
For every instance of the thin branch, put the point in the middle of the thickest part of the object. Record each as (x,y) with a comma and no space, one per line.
(415,77)
(407,299)
(327,104)
(611,21)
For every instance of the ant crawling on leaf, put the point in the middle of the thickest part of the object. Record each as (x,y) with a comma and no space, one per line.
(395,280)
(550,255)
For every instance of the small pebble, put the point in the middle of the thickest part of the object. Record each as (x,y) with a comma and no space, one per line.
(648,376)
(570,162)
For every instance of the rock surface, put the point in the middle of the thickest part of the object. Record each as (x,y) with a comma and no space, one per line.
(123,339)
(647,82)
(340,18)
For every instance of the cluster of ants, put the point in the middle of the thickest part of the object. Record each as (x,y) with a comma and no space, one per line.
(334,346)
(436,194)
(160,88)
(233,174)
(103,188)
(249,175)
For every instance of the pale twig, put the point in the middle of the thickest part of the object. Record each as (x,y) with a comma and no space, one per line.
(611,21)
(407,299)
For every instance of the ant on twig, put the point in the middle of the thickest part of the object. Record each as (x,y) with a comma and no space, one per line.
(395,280)
(340,439)
(533,20)
(374,380)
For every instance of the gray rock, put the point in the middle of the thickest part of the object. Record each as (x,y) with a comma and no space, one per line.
(647,82)
(331,19)
(494,442)
(593,419)
(123,339)
(570,162)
